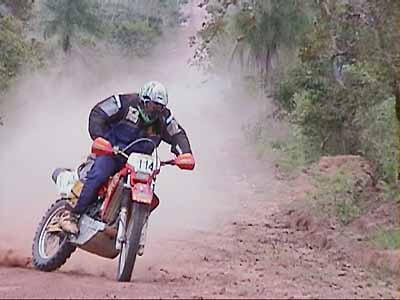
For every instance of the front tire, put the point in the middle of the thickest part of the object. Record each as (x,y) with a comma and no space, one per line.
(43,258)
(127,256)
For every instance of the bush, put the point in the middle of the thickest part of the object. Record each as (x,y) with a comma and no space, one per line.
(337,196)
(378,138)
(387,239)
(330,119)
(135,37)
(15,51)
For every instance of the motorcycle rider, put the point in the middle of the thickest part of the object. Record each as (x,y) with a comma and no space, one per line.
(121,119)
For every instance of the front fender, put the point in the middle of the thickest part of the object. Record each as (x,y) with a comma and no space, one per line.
(142,193)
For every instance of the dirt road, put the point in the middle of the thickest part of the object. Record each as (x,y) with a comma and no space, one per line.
(218,232)
(249,254)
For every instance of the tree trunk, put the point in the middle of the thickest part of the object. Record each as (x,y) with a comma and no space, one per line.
(66,44)
(396,88)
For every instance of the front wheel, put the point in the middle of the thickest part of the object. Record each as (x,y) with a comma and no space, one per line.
(127,256)
(51,248)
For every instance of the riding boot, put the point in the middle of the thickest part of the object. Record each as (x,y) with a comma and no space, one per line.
(69,222)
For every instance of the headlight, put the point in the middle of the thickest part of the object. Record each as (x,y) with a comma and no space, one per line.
(57,172)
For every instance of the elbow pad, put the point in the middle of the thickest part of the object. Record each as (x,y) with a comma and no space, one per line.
(173,127)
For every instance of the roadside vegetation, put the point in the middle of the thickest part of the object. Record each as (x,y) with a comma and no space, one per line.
(332,70)
(387,239)
(40,33)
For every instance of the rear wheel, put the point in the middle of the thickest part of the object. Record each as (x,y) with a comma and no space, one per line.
(51,248)
(129,249)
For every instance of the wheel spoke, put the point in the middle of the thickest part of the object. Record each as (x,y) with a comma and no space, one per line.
(50,240)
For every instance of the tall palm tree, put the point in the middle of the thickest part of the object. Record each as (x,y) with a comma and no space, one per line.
(266,25)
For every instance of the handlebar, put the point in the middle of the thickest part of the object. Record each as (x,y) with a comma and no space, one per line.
(170,162)
(118,151)
(103,147)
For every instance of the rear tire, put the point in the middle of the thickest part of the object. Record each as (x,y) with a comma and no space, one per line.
(127,256)
(50,262)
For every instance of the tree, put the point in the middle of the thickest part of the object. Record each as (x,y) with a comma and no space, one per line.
(15,51)
(134,26)
(134,37)
(267,26)
(21,9)
(385,19)
(260,29)
(70,19)
(341,95)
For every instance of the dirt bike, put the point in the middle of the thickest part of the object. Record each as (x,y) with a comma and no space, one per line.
(116,224)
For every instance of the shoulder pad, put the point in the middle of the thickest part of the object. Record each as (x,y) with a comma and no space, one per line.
(110,105)
(130,97)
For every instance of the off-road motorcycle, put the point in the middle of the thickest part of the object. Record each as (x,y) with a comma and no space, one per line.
(116,224)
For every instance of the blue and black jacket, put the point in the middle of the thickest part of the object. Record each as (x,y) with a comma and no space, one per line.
(118,120)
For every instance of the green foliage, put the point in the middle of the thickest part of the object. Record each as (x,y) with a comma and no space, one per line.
(331,119)
(291,154)
(390,191)
(286,88)
(336,196)
(340,94)
(287,151)
(15,51)
(336,97)
(156,13)
(21,9)
(387,239)
(70,19)
(135,37)
(378,138)
(134,26)
(270,24)
(258,30)
(170,12)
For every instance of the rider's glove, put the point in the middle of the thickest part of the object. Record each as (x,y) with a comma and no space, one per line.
(185,161)
(101,146)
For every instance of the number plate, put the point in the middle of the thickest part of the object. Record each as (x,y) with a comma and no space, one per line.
(141,162)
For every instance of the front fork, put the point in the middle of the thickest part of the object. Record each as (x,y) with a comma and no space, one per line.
(123,220)
(123,225)
(143,236)
(123,217)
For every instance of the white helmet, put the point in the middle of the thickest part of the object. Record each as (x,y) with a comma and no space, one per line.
(155,92)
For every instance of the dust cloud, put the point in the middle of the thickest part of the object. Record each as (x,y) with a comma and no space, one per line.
(45,126)
(11,259)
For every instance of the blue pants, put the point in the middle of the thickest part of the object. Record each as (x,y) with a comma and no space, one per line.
(103,168)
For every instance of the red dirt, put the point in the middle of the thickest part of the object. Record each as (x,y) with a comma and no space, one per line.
(8,258)
(253,248)
(255,253)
